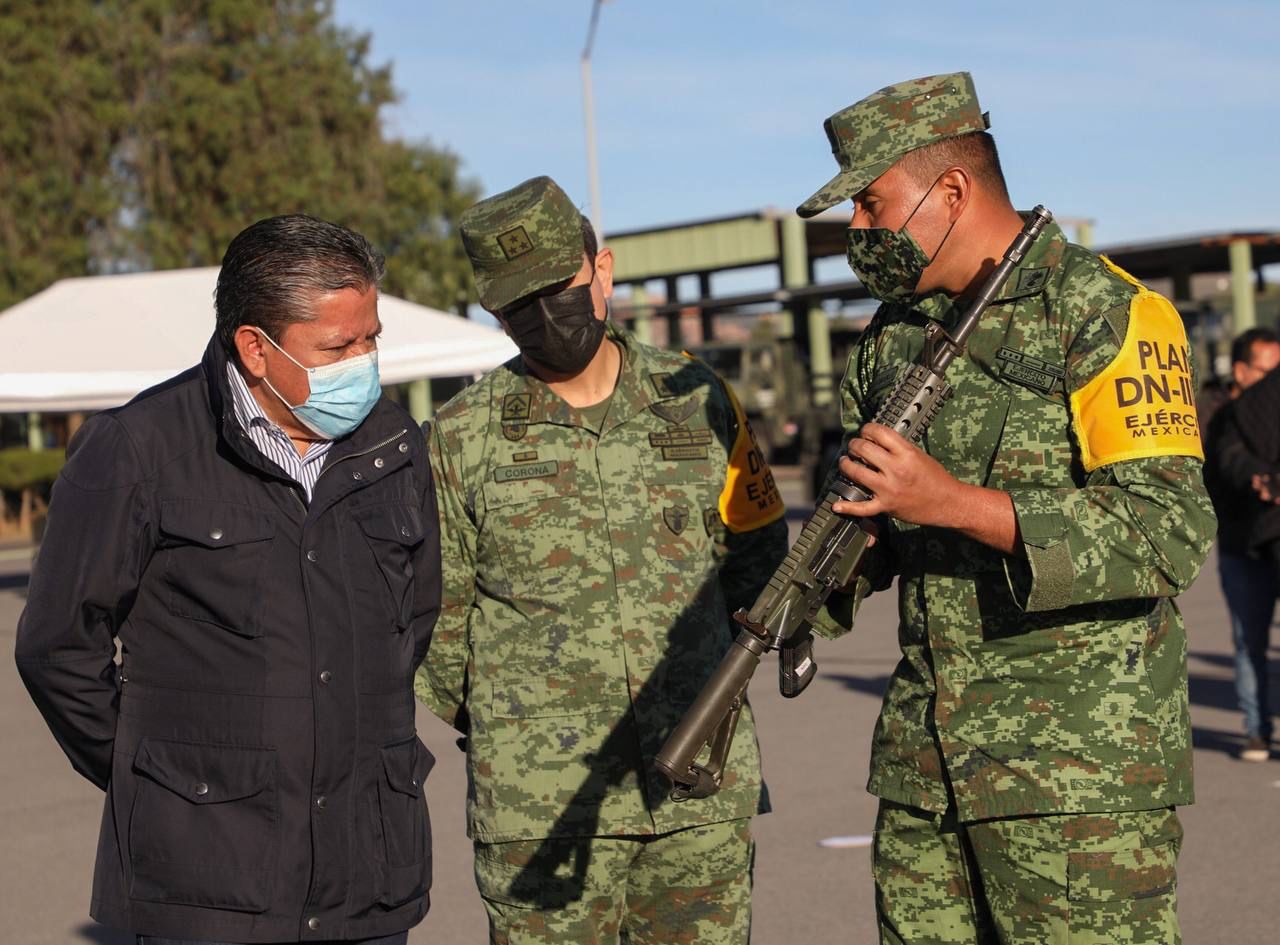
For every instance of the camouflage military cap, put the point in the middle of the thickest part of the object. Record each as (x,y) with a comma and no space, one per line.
(869,136)
(522,240)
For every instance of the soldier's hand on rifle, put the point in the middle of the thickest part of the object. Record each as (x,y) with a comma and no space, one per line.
(906,482)
(910,485)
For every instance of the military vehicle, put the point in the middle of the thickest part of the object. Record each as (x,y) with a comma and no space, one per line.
(770,375)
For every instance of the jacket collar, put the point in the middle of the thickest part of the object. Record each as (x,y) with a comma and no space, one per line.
(383,420)
(528,400)
(1034,274)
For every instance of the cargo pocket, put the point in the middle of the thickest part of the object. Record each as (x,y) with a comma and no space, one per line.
(391,532)
(204,827)
(1122,875)
(214,556)
(405,844)
(546,874)
(549,697)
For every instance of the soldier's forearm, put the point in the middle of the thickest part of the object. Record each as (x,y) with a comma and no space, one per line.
(986,515)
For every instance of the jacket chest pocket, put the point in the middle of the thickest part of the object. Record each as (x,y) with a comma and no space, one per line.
(1035,446)
(680,504)
(389,534)
(537,528)
(203,830)
(214,557)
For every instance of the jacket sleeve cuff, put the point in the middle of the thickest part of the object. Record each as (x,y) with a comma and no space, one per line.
(1043,578)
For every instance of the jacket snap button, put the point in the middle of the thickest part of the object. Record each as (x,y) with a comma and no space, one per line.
(404,531)
(325,675)
(404,447)
(313,923)
(379,463)
(311,556)
(202,789)
(216,534)
(321,802)
(357,475)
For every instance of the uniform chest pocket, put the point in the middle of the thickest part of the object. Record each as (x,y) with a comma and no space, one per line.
(389,533)
(537,529)
(1035,444)
(681,503)
(214,558)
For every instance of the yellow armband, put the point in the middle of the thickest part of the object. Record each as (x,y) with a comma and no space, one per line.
(750,496)
(1143,403)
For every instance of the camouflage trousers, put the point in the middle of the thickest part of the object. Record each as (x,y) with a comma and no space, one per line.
(1072,879)
(689,886)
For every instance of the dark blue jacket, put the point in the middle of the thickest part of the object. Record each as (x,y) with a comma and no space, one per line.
(256,740)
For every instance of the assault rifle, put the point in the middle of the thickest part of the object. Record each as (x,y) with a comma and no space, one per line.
(828,555)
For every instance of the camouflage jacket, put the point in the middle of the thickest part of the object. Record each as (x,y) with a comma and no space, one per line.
(1053,682)
(588,582)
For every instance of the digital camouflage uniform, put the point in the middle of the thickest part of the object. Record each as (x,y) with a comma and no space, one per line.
(588,580)
(1035,736)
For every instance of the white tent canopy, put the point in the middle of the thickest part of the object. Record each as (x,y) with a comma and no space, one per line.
(95,342)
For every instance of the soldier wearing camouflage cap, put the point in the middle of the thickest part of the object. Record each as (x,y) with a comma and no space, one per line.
(1034,740)
(603,510)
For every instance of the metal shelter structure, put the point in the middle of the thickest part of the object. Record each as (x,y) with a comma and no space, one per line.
(779,239)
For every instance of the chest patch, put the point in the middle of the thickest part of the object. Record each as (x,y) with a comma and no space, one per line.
(518,471)
(1142,404)
(515,408)
(675,413)
(676,517)
(681,443)
(1032,280)
(1029,371)
(662,384)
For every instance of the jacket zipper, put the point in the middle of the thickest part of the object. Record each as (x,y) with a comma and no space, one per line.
(377,446)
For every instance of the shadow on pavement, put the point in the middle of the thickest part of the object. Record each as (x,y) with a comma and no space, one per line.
(14,582)
(1213,692)
(1210,739)
(1213,659)
(101,935)
(871,685)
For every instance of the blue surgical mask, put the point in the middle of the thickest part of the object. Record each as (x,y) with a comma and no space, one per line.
(342,393)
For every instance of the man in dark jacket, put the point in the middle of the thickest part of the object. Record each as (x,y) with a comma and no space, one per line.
(1241,446)
(260,534)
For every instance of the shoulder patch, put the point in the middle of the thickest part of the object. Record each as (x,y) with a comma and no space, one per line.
(1142,404)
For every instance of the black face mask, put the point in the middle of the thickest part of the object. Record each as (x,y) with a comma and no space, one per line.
(559,332)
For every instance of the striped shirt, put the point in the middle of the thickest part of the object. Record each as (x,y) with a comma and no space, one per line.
(271,441)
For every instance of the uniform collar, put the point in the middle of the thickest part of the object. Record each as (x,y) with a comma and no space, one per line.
(528,400)
(1030,277)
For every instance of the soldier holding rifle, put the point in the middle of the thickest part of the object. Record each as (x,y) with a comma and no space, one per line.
(1035,739)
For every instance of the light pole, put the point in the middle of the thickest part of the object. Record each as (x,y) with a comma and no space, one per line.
(593,171)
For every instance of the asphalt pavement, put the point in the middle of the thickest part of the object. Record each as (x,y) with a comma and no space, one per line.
(815,756)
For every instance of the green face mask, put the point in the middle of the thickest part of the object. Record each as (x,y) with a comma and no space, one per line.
(889,262)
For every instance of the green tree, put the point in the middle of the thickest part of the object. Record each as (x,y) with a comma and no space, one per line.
(206,115)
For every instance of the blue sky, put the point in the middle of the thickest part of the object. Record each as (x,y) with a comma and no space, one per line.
(1153,118)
